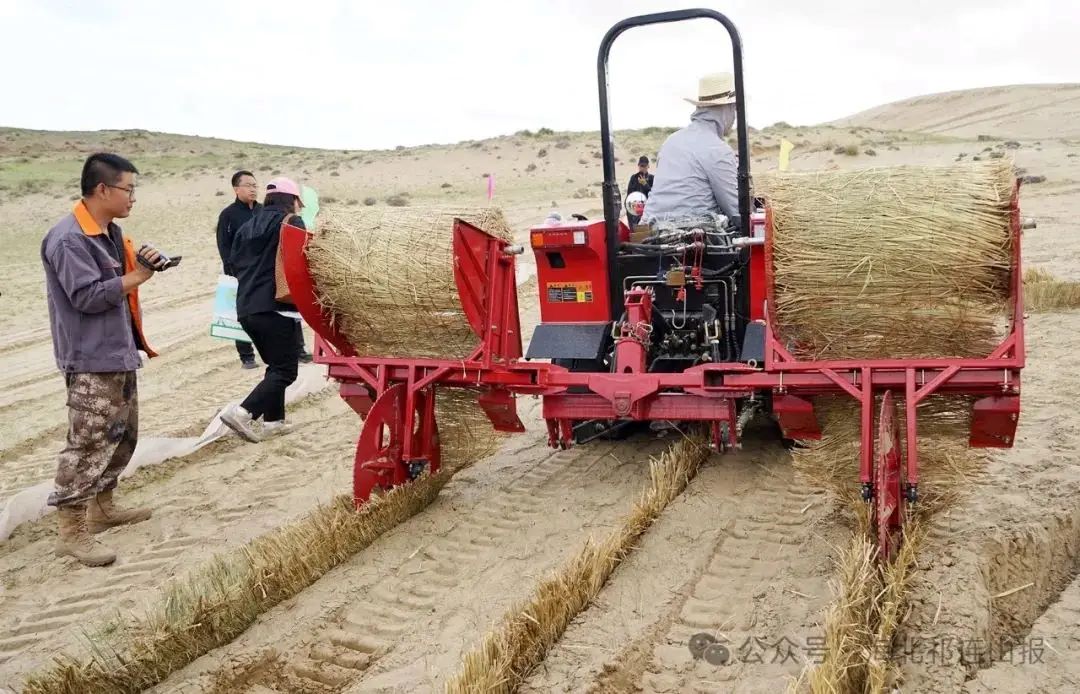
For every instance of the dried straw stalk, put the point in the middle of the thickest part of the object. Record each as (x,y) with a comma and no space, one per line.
(521,640)
(215,603)
(891,262)
(869,599)
(386,277)
(890,606)
(1043,292)
(848,630)
(869,602)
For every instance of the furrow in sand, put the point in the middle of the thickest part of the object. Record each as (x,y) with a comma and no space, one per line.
(398,615)
(743,560)
(201,510)
(988,602)
(994,568)
(1047,660)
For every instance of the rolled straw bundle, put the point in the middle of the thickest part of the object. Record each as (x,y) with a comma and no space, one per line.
(386,277)
(898,262)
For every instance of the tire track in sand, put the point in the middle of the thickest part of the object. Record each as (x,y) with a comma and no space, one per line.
(728,599)
(61,612)
(436,581)
(743,557)
(365,634)
(226,500)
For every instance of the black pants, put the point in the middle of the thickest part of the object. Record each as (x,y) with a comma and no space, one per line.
(247,351)
(299,337)
(274,336)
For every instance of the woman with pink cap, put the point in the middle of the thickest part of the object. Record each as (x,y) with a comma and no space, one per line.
(270,323)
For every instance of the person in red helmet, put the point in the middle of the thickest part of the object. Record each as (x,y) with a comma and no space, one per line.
(268,321)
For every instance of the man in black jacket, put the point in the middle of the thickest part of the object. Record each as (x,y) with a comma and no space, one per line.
(229,221)
(641,182)
(232,218)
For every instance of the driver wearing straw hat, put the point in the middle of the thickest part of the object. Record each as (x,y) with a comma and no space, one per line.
(696,167)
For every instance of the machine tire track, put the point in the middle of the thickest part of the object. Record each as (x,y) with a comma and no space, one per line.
(752,553)
(403,582)
(70,607)
(189,525)
(389,613)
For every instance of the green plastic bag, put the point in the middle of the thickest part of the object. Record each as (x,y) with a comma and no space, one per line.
(310,198)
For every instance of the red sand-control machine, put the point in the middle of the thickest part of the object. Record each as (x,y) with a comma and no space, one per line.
(671,323)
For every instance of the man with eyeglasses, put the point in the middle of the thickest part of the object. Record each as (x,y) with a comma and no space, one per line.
(232,218)
(92,279)
(229,221)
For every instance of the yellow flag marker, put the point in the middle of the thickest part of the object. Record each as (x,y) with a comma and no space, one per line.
(785,153)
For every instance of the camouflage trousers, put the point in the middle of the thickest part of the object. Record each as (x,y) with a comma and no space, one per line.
(103,427)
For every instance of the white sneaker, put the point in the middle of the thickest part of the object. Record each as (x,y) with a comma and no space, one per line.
(239,420)
(275,428)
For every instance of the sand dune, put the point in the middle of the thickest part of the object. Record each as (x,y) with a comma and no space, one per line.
(1022,111)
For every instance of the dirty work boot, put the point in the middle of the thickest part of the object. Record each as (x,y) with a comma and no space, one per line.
(76,541)
(102,514)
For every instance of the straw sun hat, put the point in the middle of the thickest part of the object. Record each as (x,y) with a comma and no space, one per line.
(715,90)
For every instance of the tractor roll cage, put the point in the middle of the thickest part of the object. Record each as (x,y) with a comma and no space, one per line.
(612,201)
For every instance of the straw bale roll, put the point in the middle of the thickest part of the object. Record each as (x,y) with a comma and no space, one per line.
(386,278)
(900,262)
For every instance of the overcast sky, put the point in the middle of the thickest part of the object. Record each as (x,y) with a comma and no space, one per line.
(363,74)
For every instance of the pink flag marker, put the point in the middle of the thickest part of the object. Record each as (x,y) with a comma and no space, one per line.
(491,186)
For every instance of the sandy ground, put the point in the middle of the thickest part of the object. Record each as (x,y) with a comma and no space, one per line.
(744,554)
